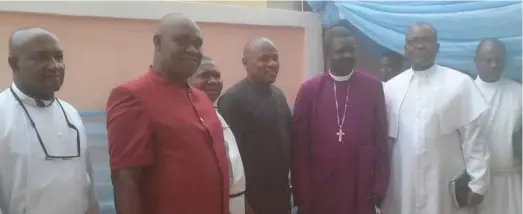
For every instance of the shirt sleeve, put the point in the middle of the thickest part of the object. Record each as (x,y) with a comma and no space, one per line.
(128,131)
(476,156)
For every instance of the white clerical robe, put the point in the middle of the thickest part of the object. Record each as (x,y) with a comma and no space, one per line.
(30,183)
(433,117)
(500,122)
(236,173)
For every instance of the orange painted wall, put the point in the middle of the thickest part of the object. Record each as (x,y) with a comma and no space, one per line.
(100,53)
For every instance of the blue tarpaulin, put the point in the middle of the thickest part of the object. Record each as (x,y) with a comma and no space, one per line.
(460,25)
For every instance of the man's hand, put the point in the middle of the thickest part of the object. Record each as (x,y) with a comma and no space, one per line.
(474,199)
(127,190)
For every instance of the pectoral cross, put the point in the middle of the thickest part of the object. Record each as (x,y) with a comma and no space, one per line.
(340,135)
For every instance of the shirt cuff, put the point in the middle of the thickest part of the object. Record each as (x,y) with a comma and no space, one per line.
(477,187)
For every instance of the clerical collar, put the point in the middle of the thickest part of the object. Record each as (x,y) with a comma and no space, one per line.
(29,100)
(341,78)
(479,81)
(427,72)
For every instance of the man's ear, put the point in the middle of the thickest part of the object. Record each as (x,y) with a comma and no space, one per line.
(157,42)
(13,63)
(244,62)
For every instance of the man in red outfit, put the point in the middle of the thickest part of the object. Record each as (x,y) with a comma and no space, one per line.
(339,146)
(166,143)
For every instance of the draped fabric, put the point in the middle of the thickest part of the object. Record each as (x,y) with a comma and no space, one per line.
(460,25)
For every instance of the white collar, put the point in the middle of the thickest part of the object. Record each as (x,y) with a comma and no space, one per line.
(341,78)
(30,101)
(479,81)
(427,72)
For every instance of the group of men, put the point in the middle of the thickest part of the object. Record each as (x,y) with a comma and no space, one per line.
(352,144)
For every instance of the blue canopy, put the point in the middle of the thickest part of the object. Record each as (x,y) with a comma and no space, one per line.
(460,25)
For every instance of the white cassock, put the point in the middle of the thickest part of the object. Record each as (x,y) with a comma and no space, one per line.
(236,173)
(434,119)
(501,121)
(30,183)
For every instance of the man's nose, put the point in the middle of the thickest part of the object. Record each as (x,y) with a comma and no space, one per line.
(273,63)
(55,65)
(191,49)
(214,80)
(493,64)
(347,55)
(420,46)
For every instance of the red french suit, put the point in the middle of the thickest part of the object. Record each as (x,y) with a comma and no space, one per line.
(172,131)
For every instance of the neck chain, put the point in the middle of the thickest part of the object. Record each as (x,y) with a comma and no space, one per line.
(342,120)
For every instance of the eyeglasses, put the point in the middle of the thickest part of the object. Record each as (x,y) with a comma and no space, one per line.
(69,124)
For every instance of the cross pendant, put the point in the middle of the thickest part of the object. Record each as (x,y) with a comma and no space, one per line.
(340,135)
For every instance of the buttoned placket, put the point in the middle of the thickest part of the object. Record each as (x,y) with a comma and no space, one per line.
(188,95)
(423,92)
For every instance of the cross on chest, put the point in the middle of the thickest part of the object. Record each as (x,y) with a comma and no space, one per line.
(340,135)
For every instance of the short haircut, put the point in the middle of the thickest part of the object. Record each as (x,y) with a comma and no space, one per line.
(333,33)
(494,41)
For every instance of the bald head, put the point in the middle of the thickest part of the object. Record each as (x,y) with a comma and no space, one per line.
(36,58)
(178,47)
(261,60)
(490,59)
(421,46)
(490,44)
(423,27)
(256,44)
(176,22)
(19,39)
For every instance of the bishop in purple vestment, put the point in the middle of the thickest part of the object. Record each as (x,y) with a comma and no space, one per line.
(340,162)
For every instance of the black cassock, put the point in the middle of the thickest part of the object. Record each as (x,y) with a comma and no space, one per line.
(260,119)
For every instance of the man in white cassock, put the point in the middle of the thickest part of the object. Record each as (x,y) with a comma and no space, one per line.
(502,125)
(44,168)
(433,116)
